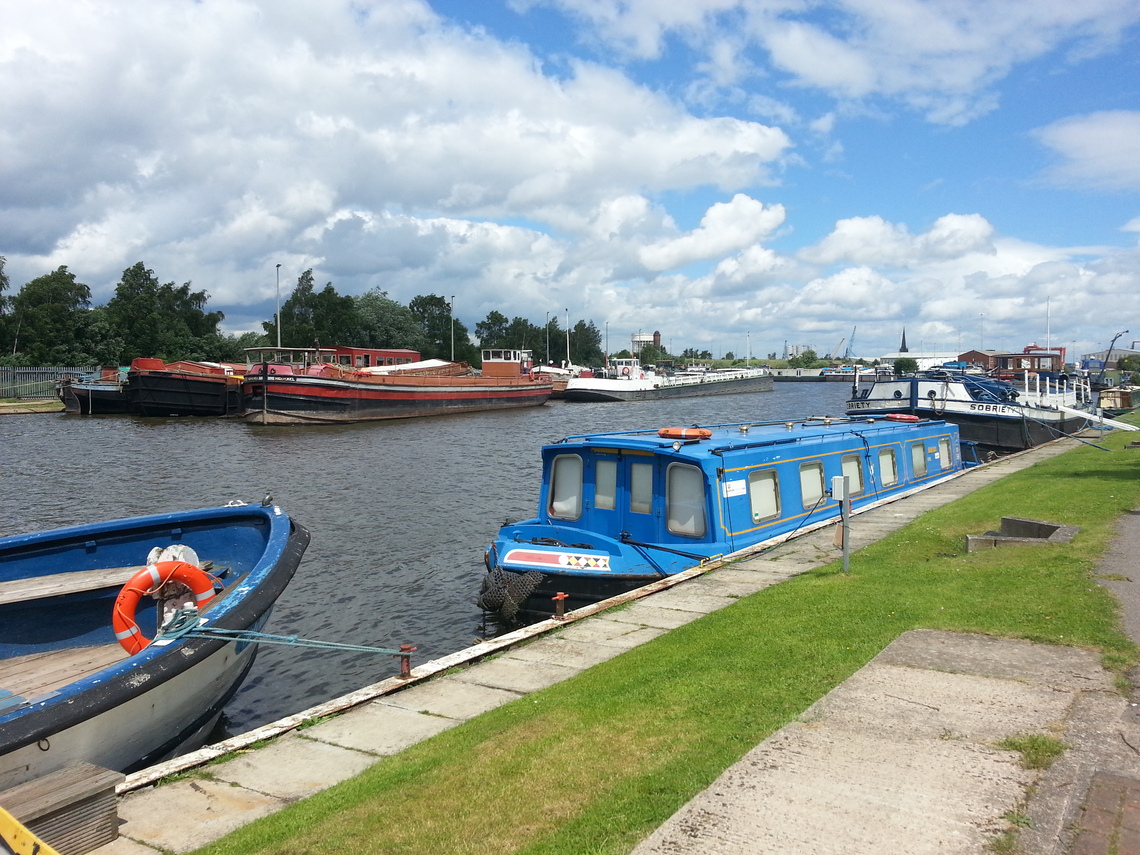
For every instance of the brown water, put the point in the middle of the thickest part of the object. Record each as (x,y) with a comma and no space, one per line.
(399,512)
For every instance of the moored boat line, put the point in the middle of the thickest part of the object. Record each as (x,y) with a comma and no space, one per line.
(267,769)
(629,380)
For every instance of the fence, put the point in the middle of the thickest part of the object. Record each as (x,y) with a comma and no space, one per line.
(35,382)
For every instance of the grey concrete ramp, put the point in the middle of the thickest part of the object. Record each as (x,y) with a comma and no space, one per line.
(902,757)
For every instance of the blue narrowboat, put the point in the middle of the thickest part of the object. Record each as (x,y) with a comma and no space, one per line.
(622,510)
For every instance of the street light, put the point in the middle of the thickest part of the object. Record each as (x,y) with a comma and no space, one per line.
(277,317)
(548,362)
(982,331)
(451,308)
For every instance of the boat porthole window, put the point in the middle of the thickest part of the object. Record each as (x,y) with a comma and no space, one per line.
(764,494)
(853,469)
(932,394)
(565,500)
(918,458)
(888,467)
(685,500)
(812,488)
(898,394)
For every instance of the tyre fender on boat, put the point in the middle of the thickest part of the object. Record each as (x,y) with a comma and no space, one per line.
(684,433)
(148,581)
(902,417)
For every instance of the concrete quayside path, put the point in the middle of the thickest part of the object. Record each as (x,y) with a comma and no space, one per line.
(899,758)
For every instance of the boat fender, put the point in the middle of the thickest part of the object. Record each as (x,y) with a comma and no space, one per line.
(902,417)
(684,433)
(148,581)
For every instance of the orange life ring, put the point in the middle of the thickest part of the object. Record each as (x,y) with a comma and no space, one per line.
(147,581)
(902,417)
(684,433)
(625,371)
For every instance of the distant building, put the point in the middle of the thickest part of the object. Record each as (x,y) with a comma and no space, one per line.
(639,340)
(984,359)
(1101,356)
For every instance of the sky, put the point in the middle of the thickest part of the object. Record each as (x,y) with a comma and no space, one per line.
(740,175)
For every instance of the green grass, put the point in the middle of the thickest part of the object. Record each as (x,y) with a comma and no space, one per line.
(594,764)
(1038,751)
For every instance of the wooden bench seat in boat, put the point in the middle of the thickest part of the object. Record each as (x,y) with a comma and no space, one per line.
(36,674)
(42,587)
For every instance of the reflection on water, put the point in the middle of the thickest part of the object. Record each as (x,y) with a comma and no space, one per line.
(399,511)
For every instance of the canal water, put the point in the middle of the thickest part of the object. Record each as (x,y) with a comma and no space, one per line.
(399,511)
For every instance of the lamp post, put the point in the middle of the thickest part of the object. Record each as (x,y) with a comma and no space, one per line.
(607,360)
(548,362)
(451,309)
(981,331)
(277,317)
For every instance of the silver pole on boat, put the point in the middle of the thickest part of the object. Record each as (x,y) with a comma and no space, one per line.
(277,317)
(841,492)
(451,311)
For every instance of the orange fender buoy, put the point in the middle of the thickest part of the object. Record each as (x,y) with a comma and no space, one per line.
(902,417)
(147,581)
(684,433)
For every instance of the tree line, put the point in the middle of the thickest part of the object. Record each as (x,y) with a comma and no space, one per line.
(51,321)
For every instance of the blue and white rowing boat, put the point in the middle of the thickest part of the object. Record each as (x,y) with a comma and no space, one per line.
(79,678)
(621,510)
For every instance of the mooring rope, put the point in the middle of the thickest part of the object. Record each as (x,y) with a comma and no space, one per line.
(184,624)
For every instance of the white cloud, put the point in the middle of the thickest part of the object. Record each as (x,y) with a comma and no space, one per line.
(725,228)
(1099,150)
(874,241)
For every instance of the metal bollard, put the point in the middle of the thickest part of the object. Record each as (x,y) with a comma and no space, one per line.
(405,656)
(560,605)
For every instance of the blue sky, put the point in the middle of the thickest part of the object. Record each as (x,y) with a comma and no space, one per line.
(724,171)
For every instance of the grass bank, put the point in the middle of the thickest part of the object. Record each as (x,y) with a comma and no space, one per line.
(593,764)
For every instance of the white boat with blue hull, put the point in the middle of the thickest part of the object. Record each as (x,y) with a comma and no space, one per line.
(622,510)
(1000,416)
(79,679)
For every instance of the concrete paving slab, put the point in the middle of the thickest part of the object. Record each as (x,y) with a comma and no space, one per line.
(451,698)
(515,675)
(379,728)
(559,651)
(715,585)
(293,767)
(683,598)
(126,846)
(643,613)
(901,703)
(1062,667)
(813,790)
(633,639)
(597,628)
(186,815)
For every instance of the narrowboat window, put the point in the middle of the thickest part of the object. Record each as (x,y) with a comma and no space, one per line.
(918,458)
(888,467)
(811,483)
(764,494)
(605,485)
(853,469)
(945,455)
(641,488)
(685,500)
(566,487)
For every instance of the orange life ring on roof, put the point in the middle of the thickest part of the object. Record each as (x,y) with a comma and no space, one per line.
(684,433)
(148,581)
(902,417)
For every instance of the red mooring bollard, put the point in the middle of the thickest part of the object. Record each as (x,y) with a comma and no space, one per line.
(405,654)
(560,605)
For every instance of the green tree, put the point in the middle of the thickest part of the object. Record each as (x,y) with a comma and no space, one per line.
(806,359)
(386,323)
(166,321)
(492,330)
(311,316)
(440,329)
(50,320)
(586,344)
(651,354)
(905,365)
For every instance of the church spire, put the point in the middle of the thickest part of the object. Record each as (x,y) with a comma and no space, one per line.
(902,347)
